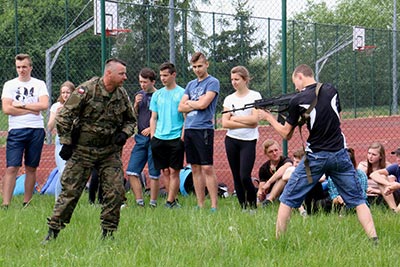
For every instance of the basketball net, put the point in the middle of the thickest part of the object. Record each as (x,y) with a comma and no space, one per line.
(368,49)
(120,35)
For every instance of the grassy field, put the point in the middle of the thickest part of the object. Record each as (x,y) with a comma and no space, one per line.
(190,237)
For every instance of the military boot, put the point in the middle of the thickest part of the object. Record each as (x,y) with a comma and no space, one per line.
(51,235)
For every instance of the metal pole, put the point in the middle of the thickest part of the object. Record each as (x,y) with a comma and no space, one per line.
(16,25)
(171,24)
(103,33)
(284,64)
(394,67)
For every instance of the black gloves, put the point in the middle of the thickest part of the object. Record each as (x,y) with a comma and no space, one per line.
(120,138)
(66,152)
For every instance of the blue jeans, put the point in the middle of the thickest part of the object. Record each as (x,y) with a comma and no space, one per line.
(336,165)
(141,153)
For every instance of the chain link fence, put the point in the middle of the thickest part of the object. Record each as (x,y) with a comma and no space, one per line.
(61,40)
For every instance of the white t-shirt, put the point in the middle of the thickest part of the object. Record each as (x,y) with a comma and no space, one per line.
(26,92)
(54,108)
(233,101)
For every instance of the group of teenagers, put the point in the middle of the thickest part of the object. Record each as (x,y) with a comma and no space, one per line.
(173,122)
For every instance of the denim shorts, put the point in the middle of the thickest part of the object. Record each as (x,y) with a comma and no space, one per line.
(141,153)
(336,165)
(27,142)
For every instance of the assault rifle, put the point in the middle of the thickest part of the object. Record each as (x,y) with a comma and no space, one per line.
(279,104)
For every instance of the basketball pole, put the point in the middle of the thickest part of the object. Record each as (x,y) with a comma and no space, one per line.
(103,33)
(394,67)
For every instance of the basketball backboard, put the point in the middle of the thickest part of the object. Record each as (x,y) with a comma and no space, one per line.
(111,16)
(358,38)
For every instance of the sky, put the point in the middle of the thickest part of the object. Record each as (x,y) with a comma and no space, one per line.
(262,8)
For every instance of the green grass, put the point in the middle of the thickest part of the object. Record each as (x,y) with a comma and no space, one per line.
(190,237)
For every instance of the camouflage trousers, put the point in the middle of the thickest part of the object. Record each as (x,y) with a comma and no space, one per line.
(107,161)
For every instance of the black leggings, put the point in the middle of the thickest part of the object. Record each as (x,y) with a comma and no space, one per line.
(241,156)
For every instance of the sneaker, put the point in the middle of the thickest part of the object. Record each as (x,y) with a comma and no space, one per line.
(140,203)
(153,204)
(266,203)
(213,210)
(172,205)
(375,240)
(304,214)
(4,207)
(51,235)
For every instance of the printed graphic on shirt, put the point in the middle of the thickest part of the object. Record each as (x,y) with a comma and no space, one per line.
(25,95)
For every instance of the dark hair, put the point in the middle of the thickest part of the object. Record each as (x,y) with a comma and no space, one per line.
(352,156)
(70,86)
(20,57)
(168,66)
(148,73)
(304,69)
(115,60)
(197,56)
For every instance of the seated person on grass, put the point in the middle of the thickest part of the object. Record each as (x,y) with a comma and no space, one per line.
(376,160)
(270,173)
(387,179)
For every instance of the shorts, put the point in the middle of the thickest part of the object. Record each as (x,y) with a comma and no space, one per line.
(141,153)
(337,165)
(199,146)
(27,142)
(167,153)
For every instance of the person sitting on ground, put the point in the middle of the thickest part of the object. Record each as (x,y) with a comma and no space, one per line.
(376,160)
(271,172)
(385,179)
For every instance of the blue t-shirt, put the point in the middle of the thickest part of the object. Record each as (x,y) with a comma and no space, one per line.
(202,119)
(169,119)
(394,169)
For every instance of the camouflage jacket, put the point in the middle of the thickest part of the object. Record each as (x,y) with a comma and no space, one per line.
(100,114)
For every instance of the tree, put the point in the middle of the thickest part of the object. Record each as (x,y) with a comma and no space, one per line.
(40,25)
(317,30)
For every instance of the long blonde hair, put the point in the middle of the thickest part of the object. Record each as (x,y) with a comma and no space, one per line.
(70,86)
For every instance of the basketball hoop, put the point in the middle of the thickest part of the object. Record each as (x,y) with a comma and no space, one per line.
(115,32)
(119,34)
(368,49)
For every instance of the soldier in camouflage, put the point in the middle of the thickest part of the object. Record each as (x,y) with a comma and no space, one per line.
(105,121)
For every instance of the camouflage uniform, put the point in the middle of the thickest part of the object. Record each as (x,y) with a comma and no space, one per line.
(101,115)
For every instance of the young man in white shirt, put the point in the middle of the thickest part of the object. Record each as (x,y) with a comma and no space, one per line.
(23,100)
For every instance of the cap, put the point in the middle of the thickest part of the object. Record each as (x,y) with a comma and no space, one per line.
(397,151)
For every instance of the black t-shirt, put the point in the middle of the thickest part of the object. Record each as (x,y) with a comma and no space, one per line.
(324,123)
(265,172)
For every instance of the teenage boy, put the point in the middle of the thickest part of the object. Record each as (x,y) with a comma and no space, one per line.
(199,103)
(166,131)
(141,152)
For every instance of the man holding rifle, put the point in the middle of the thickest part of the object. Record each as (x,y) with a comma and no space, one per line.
(326,151)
